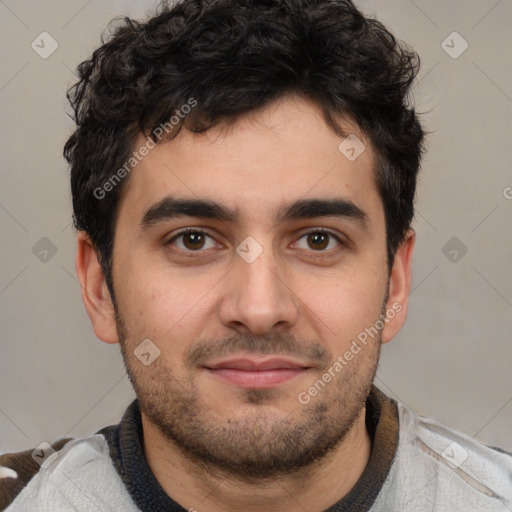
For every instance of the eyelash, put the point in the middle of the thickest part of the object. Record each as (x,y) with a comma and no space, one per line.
(320,253)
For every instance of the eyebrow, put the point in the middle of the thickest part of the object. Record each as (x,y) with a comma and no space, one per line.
(172,207)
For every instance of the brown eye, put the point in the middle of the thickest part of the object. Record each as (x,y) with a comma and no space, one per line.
(191,240)
(320,241)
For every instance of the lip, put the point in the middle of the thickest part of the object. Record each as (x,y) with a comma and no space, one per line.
(248,364)
(253,373)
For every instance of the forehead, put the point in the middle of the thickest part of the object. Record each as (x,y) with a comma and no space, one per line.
(264,160)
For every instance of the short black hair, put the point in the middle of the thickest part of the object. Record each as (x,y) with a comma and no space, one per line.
(232,57)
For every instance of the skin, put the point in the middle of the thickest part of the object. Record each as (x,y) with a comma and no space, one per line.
(212,445)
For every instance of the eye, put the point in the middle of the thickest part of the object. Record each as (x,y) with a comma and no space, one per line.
(196,240)
(192,240)
(320,239)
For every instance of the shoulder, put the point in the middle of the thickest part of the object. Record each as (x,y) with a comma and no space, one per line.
(72,474)
(18,468)
(450,463)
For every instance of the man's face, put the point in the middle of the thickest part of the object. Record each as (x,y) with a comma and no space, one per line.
(284,293)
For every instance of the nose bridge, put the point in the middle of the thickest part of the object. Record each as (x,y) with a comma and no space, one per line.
(261,277)
(259,297)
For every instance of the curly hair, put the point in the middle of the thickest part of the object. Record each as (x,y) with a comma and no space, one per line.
(234,57)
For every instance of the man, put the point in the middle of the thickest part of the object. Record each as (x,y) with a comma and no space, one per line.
(243,176)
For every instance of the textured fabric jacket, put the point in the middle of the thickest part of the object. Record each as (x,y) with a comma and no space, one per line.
(416,465)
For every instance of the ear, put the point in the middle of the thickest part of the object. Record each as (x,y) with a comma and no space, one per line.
(95,294)
(399,288)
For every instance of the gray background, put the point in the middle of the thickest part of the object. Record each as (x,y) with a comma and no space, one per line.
(452,359)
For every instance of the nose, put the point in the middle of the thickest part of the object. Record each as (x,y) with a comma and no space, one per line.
(259,296)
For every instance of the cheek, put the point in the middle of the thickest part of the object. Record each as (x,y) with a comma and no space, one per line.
(346,305)
(159,303)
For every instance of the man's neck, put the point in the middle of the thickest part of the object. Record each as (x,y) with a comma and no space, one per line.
(315,488)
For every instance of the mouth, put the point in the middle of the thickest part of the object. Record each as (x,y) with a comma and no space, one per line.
(254,373)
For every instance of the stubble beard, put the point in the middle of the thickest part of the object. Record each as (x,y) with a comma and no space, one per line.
(262,444)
